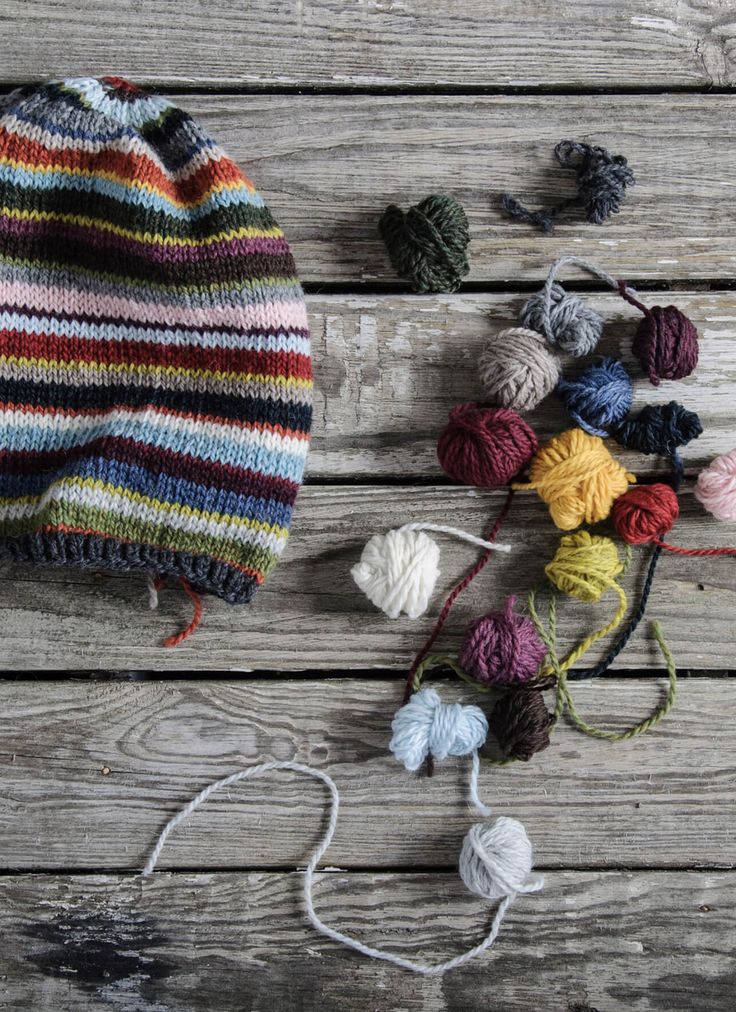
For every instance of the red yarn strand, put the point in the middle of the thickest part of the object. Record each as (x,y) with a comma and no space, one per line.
(455,593)
(693,551)
(177,638)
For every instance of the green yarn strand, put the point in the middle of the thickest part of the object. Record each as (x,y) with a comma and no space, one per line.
(563,697)
(427,245)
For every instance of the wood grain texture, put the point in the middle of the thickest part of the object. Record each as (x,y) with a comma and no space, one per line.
(378,42)
(329,165)
(647,941)
(91,773)
(310,615)
(389,368)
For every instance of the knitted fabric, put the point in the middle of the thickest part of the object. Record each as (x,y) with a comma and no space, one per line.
(155,370)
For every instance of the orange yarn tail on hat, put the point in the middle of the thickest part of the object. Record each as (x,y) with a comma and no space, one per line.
(177,638)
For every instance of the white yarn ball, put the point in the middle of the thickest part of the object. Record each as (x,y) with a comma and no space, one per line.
(496,860)
(398,572)
(425,725)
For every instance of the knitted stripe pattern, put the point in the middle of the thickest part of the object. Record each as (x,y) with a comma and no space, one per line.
(155,368)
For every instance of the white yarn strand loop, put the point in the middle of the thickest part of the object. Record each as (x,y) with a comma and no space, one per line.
(473,860)
(456,532)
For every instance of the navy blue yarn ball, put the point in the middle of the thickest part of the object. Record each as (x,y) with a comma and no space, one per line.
(660,428)
(599,398)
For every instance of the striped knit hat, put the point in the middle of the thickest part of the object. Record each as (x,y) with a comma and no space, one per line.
(155,371)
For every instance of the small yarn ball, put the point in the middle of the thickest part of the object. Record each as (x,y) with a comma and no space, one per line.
(602,178)
(660,429)
(716,487)
(570,324)
(666,344)
(485,447)
(502,647)
(517,370)
(398,572)
(427,245)
(645,513)
(584,566)
(600,397)
(577,477)
(496,859)
(521,723)
(426,726)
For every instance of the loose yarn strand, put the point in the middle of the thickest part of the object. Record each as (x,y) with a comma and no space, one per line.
(455,593)
(177,638)
(428,969)
(456,532)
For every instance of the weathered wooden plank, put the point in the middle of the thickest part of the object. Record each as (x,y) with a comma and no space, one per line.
(389,368)
(326,42)
(310,615)
(91,772)
(329,165)
(608,941)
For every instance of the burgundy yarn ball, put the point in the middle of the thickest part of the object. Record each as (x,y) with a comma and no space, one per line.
(485,447)
(645,513)
(666,344)
(502,647)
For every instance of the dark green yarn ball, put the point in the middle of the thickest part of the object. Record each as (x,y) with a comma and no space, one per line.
(428,244)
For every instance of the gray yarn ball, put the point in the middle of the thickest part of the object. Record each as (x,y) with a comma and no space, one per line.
(570,323)
(517,370)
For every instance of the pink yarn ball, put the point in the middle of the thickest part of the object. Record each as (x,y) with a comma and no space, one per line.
(502,647)
(716,487)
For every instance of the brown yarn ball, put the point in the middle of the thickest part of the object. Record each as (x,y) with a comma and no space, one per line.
(521,722)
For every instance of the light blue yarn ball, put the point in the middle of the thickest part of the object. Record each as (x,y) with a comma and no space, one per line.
(600,398)
(427,726)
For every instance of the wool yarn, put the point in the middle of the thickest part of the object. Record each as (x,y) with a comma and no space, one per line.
(602,179)
(649,515)
(584,566)
(600,398)
(666,341)
(661,429)
(495,863)
(485,447)
(575,474)
(428,245)
(564,319)
(516,369)
(426,726)
(398,570)
(645,513)
(496,860)
(521,723)
(716,487)
(502,647)
(155,368)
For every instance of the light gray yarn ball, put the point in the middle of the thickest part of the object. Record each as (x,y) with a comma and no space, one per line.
(496,859)
(569,323)
(517,370)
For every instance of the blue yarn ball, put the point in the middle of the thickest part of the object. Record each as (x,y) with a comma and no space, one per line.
(600,398)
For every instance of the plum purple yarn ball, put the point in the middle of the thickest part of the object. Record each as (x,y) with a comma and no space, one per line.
(502,648)
(600,398)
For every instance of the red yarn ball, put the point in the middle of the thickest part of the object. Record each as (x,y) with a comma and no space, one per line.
(485,447)
(666,344)
(502,647)
(645,513)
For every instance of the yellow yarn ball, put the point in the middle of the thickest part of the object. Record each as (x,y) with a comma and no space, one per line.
(577,477)
(584,566)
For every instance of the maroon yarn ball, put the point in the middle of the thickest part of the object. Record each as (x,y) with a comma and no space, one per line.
(645,513)
(485,447)
(666,344)
(502,648)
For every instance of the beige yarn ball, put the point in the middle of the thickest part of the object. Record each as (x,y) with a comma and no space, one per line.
(517,370)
